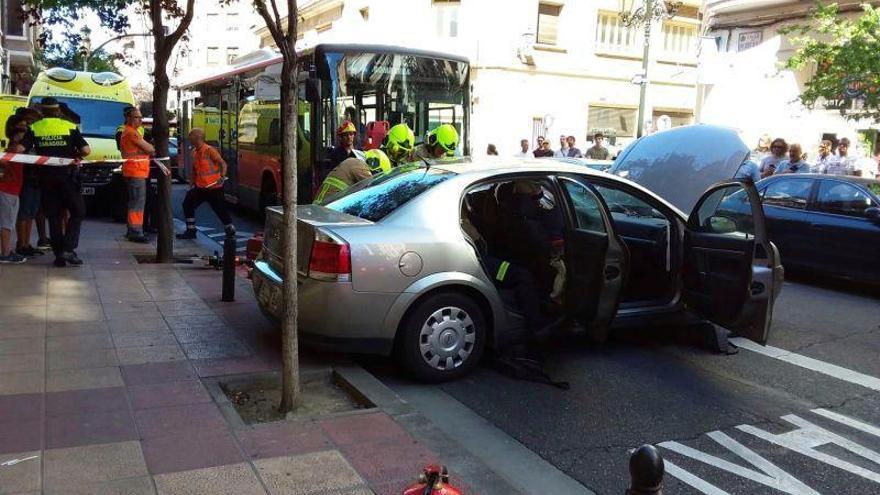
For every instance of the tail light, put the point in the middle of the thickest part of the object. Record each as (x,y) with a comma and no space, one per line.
(330,259)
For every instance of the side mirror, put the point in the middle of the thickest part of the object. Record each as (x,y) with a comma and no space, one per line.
(873,213)
(313,89)
(720,225)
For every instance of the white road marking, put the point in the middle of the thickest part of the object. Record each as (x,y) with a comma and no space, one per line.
(809,437)
(771,475)
(216,234)
(854,423)
(692,480)
(809,363)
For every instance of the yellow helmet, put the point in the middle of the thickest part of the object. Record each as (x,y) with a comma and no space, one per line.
(378,161)
(399,142)
(445,136)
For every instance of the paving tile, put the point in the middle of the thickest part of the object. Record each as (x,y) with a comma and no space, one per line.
(150,373)
(362,428)
(66,360)
(61,380)
(168,394)
(20,407)
(22,313)
(93,464)
(25,382)
(307,474)
(144,339)
(87,342)
(142,485)
(150,354)
(233,479)
(11,363)
(67,313)
(88,429)
(77,402)
(77,328)
(216,349)
(137,324)
(234,366)
(400,459)
(203,334)
(283,439)
(23,477)
(161,421)
(127,309)
(32,345)
(190,450)
(165,294)
(22,330)
(201,320)
(21,435)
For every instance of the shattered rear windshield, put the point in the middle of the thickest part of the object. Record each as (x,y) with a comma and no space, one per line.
(376,198)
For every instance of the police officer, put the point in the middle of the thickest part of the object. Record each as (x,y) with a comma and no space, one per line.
(136,151)
(54,136)
(440,141)
(351,171)
(398,143)
(209,172)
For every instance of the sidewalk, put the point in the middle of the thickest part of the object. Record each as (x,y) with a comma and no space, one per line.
(102,378)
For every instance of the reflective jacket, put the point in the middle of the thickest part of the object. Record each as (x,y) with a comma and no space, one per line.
(207,167)
(349,172)
(137,161)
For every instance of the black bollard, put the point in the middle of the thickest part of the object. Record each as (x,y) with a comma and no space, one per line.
(228,268)
(646,471)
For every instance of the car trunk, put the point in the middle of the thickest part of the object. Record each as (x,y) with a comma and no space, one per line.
(309,218)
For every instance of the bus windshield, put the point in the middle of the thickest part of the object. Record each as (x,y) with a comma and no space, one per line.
(96,118)
(422,92)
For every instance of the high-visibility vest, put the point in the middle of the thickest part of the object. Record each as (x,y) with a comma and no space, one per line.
(137,162)
(53,132)
(206,170)
(331,186)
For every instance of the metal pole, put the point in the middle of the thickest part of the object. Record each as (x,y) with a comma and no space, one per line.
(228,268)
(649,18)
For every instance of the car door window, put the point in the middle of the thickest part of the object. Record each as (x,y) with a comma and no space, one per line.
(789,193)
(841,198)
(587,210)
(726,211)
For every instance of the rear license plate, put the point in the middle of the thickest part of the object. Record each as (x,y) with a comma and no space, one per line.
(88,191)
(270,297)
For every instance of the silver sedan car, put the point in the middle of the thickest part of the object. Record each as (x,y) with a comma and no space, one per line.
(406,263)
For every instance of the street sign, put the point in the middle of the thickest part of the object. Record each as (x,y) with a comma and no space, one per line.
(749,39)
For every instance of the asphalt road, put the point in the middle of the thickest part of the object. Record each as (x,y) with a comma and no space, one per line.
(246,223)
(654,387)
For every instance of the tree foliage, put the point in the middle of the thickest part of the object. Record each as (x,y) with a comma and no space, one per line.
(70,56)
(845,53)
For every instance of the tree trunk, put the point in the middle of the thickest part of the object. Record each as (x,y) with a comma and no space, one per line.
(290,387)
(164,243)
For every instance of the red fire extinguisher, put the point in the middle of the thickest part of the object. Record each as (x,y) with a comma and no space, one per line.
(434,480)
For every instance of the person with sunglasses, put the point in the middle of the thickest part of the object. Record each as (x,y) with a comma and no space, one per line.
(778,149)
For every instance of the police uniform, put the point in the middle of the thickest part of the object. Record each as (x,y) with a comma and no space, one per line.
(208,180)
(349,172)
(60,186)
(135,170)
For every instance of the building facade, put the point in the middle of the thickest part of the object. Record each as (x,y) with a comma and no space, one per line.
(742,83)
(217,36)
(17,65)
(537,67)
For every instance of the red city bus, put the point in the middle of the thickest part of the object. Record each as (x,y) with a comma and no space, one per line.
(373,86)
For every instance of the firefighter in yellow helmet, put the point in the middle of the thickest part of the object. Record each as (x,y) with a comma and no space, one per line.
(351,171)
(440,141)
(398,143)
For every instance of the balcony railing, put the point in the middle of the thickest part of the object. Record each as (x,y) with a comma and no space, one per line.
(613,37)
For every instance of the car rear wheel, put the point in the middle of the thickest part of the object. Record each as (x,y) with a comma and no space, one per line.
(443,337)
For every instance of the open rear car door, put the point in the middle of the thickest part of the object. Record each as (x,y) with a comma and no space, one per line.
(731,272)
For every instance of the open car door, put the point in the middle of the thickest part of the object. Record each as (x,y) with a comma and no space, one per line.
(731,271)
(595,258)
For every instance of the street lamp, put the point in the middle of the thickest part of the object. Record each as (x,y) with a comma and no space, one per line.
(634,13)
(86,47)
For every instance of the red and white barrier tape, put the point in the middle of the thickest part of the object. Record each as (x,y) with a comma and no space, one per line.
(51,161)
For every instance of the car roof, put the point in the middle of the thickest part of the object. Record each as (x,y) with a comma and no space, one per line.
(844,178)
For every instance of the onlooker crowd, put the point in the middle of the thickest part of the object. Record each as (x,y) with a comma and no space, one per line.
(567,148)
(781,157)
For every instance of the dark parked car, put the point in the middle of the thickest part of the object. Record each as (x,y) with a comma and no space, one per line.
(825,224)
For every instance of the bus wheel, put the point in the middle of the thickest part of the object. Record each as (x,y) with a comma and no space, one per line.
(268,194)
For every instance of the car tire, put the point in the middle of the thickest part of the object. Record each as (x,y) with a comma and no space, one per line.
(268,195)
(443,337)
